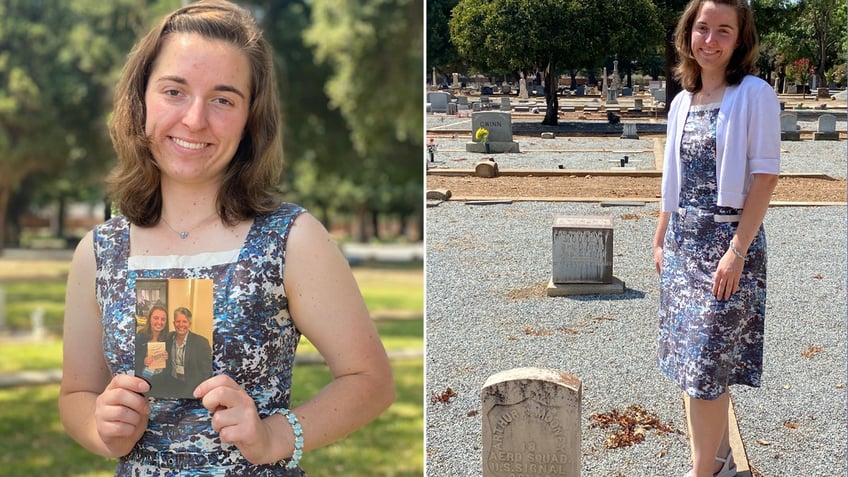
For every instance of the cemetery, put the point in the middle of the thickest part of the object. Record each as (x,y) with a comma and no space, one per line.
(542,293)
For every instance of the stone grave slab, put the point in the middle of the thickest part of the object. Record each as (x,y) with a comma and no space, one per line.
(499,125)
(582,256)
(826,130)
(789,127)
(532,423)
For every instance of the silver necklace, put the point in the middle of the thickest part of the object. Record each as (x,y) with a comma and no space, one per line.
(185,233)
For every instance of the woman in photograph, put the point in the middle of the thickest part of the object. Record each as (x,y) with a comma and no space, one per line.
(197,132)
(721,167)
(155,330)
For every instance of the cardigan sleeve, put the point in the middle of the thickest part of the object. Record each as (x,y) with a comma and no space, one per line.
(763,149)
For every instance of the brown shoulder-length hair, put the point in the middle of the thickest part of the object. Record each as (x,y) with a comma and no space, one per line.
(250,180)
(148,329)
(744,59)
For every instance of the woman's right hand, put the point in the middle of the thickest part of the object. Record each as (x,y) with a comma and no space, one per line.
(658,254)
(121,413)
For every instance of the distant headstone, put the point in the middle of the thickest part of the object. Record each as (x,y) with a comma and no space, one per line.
(505,88)
(438,101)
(582,256)
(789,127)
(499,125)
(452,109)
(487,169)
(462,100)
(522,89)
(476,106)
(487,90)
(580,90)
(505,106)
(532,423)
(455,83)
(658,94)
(629,131)
(826,130)
(626,91)
(638,104)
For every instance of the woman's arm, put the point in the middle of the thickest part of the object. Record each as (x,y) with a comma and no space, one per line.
(106,415)
(659,238)
(726,281)
(326,305)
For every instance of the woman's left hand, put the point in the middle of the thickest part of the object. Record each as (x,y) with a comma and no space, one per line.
(726,278)
(235,418)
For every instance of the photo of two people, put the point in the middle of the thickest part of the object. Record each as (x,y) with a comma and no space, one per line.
(173,335)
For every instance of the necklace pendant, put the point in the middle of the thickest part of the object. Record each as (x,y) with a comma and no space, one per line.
(183,235)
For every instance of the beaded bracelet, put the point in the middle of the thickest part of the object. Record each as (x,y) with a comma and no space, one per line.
(297,430)
(736,252)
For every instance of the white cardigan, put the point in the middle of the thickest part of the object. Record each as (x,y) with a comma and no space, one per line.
(747,142)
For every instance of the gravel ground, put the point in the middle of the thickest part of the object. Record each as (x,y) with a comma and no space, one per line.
(486,270)
(584,153)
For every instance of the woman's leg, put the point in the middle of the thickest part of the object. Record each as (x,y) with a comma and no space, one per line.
(709,433)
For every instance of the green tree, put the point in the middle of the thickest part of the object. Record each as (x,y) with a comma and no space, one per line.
(57,63)
(441,54)
(551,36)
(374,48)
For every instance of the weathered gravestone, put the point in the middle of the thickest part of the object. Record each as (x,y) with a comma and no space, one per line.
(522,89)
(499,125)
(505,104)
(629,131)
(826,130)
(789,127)
(532,423)
(582,256)
(438,101)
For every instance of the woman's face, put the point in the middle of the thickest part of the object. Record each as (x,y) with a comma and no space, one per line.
(715,35)
(158,319)
(197,102)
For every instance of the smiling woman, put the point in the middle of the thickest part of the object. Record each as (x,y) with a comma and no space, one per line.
(199,157)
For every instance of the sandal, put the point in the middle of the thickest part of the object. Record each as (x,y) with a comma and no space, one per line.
(729,467)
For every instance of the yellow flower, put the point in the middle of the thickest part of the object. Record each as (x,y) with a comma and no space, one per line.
(482,135)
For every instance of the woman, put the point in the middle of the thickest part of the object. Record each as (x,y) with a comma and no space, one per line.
(156,330)
(721,165)
(197,131)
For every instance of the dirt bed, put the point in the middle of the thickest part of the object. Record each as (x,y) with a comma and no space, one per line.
(793,189)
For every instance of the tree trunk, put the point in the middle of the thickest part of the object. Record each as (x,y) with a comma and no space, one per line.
(551,98)
(5,193)
(672,86)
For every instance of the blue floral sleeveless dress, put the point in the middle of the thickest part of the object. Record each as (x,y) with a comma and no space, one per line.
(706,344)
(254,341)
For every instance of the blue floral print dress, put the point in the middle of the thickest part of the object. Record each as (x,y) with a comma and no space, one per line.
(254,341)
(706,344)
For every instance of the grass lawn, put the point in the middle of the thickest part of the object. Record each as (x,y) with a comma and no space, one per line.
(34,442)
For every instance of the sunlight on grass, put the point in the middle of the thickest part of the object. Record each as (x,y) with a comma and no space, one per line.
(30,356)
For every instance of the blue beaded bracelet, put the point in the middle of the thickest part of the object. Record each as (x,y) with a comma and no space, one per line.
(297,430)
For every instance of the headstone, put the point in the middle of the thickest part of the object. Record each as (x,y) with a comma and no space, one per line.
(505,88)
(486,169)
(438,101)
(580,90)
(476,106)
(487,90)
(626,91)
(629,131)
(485,99)
(532,423)
(505,106)
(455,83)
(822,93)
(462,100)
(499,125)
(452,109)
(37,322)
(638,104)
(658,94)
(582,256)
(826,130)
(789,127)
(522,89)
